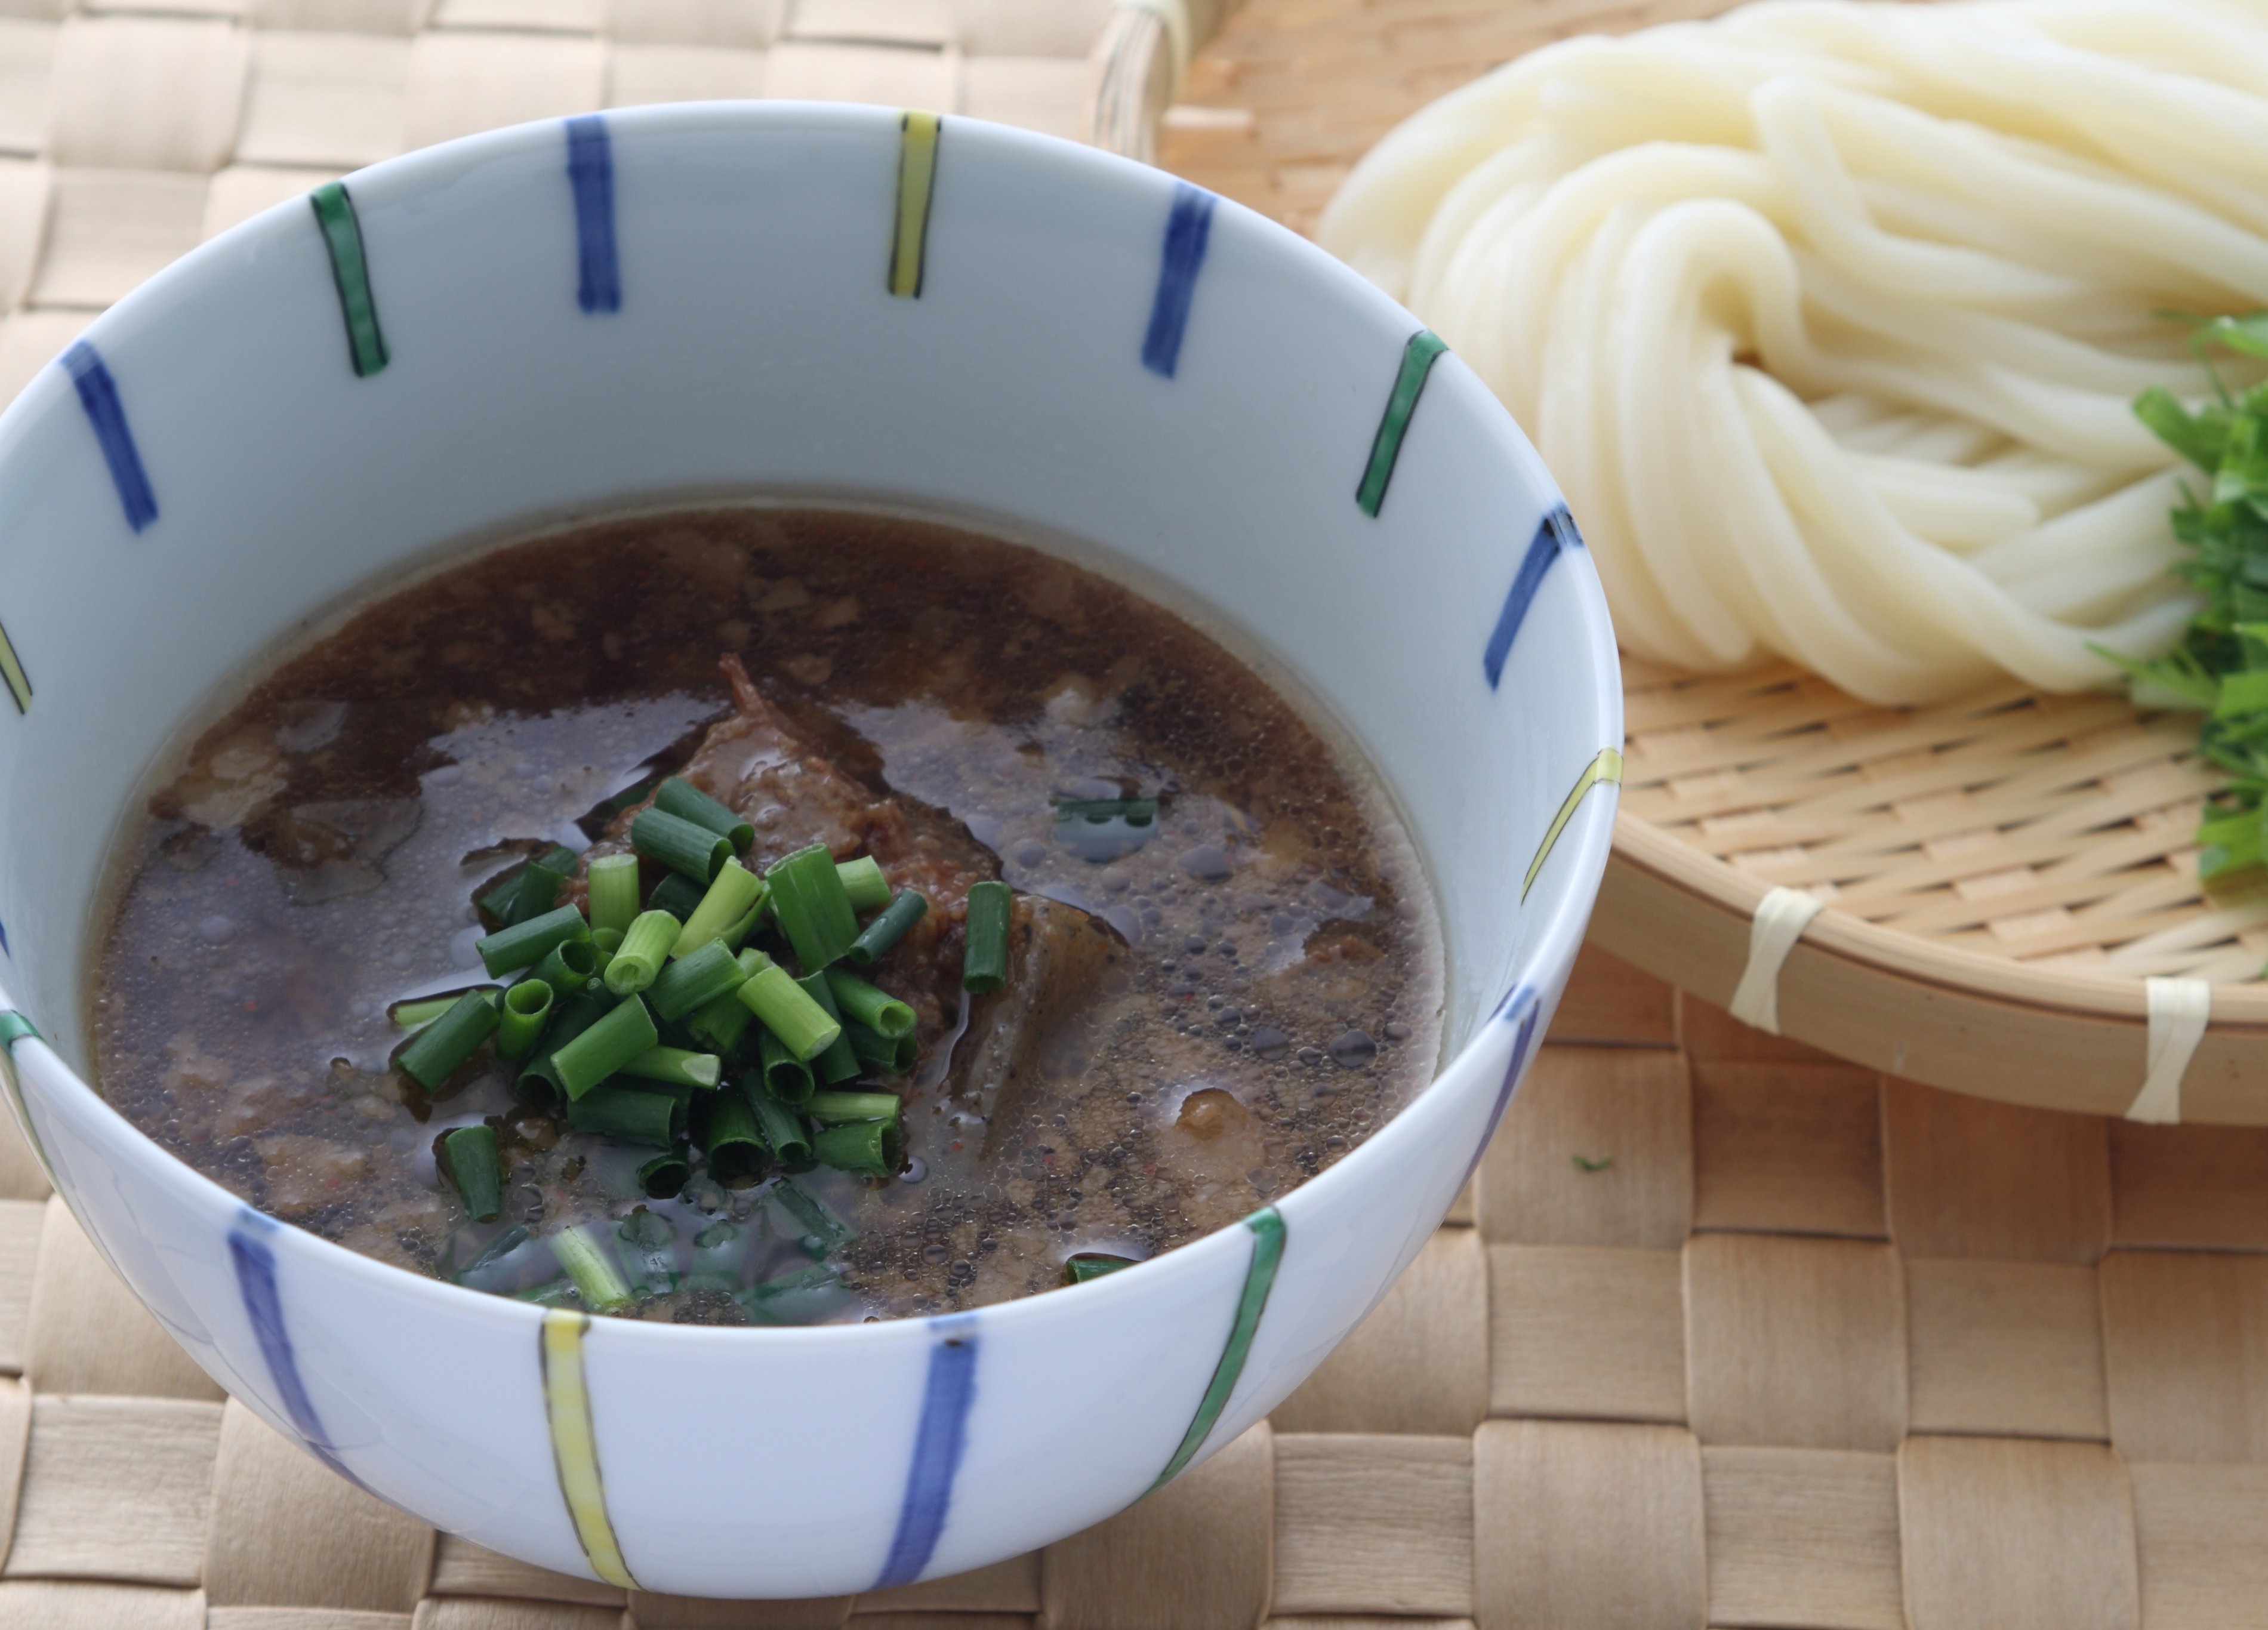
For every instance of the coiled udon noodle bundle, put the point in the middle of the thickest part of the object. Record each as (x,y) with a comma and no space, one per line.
(1829,317)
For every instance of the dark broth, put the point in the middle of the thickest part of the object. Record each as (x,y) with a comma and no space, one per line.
(1266,993)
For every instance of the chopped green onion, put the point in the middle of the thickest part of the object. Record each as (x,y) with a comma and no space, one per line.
(863,883)
(635,793)
(432,1056)
(802,1298)
(694,981)
(837,1063)
(690,850)
(624,1112)
(664,1177)
(1092,1265)
(471,1153)
(626,1031)
(782,1129)
(870,1005)
(604,943)
(614,881)
(984,954)
(557,1293)
(720,1255)
(737,935)
(882,1054)
(677,1066)
(528,943)
(871,1148)
(724,1021)
(734,1148)
(687,802)
(811,906)
(810,1220)
(789,1012)
(538,1083)
(830,1107)
(592,1267)
(736,892)
(493,1266)
(567,967)
(638,963)
(648,1240)
(786,1077)
(532,891)
(527,1006)
(887,929)
(680,896)
(411,1015)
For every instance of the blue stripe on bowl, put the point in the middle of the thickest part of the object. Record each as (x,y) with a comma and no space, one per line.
(97,394)
(938,1444)
(591,173)
(1520,1009)
(255,1283)
(1187,229)
(1554,532)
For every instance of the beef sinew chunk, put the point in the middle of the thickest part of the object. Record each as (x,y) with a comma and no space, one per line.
(782,782)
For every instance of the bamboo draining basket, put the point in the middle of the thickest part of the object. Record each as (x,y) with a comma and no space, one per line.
(2002,878)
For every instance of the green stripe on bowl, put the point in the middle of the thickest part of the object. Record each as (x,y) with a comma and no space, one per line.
(1267,1226)
(917,182)
(1607,768)
(1418,358)
(575,1444)
(14,1027)
(12,669)
(334,214)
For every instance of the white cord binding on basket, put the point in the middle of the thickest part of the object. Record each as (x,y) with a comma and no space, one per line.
(1781,917)
(1174,15)
(2179,1010)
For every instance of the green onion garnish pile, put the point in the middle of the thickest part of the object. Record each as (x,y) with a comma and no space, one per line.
(710,1018)
(2220,666)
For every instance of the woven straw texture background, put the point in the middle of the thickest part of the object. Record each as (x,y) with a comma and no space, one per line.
(1809,1348)
(1727,1334)
(132,129)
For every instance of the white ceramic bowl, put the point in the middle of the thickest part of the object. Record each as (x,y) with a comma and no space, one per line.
(733,299)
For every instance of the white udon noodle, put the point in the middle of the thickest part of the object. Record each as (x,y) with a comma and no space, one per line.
(1829,317)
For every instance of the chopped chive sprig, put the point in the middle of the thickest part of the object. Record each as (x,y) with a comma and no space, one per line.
(694,853)
(886,930)
(626,1031)
(470,1154)
(614,885)
(588,1261)
(637,964)
(527,1006)
(677,1066)
(812,907)
(837,1063)
(984,955)
(433,1055)
(863,883)
(687,802)
(785,1008)
(735,892)
(508,950)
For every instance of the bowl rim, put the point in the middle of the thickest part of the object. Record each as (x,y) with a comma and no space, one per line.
(1584,844)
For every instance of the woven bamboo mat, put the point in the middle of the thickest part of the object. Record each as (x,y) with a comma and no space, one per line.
(1727,1335)
(132,129)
